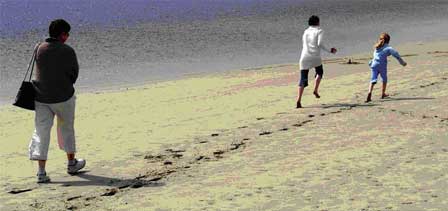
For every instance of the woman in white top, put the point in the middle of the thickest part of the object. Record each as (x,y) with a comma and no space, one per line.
(310,57)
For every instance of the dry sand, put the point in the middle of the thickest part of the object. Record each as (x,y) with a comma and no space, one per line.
(235,142)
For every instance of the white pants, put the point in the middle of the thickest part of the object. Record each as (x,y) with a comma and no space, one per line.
(65,113)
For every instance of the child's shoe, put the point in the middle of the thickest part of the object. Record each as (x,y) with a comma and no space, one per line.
(384,96)
(298,104)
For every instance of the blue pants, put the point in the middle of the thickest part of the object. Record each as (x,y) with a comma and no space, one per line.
(376,72)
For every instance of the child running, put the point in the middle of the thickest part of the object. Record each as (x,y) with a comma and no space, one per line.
(310,58)
(378,64)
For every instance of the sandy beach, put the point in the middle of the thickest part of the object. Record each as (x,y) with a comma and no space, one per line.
(234,141)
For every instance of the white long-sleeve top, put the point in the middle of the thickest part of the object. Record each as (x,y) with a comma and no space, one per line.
(312,44)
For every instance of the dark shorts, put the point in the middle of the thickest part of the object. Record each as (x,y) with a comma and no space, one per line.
(304,75)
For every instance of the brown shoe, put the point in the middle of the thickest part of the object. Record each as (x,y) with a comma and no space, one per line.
(384,96)
(369,98)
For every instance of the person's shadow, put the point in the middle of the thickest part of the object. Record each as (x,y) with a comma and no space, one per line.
(94,180)
(406,98)
(346,105)
(371,104)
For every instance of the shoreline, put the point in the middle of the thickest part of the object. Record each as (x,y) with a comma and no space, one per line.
(125,56)
(121,86)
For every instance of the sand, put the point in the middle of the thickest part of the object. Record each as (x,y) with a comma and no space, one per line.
(234,141)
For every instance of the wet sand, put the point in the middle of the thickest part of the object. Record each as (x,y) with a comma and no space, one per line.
(233,141)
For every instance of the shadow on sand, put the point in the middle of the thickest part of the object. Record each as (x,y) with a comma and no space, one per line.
(354,105)
(406,98)
(94,180)
(343,105)
(347,105)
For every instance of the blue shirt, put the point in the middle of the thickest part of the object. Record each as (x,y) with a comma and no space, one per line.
(380,55)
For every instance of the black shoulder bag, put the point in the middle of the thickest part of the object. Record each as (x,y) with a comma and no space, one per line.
(26,95)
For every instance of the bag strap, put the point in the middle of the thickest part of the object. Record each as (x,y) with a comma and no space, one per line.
(31,63)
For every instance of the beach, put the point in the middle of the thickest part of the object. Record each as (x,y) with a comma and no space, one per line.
(233,140)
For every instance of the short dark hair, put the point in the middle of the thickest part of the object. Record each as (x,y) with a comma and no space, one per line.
(313,21)
(57,27)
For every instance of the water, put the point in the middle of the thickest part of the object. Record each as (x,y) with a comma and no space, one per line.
(129,42)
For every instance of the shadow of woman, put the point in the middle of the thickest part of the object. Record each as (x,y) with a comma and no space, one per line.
(95,180)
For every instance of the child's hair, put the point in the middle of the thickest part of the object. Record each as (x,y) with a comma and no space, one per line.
(313,21)
(384,39)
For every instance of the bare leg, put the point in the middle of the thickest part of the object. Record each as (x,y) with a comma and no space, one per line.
(41,173)
(371,87)
(299,96)
(42,164)
(70,156)
(316,86)
(369,95)
(383,94)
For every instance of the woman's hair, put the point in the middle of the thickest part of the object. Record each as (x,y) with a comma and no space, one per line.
(57,27)
(384,39)
(313,21)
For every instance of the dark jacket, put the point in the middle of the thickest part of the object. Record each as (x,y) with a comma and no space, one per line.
(56,72)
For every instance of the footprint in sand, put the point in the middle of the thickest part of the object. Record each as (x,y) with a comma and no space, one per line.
(306,121)
(242,127)
(72,207)
(110,192)
(73,198)
(284,129)
(265,133)
(201,157)
(235,146)
(260,118)
(218,153)
(175,150)
(215,134)
(152,157)
(177,155)
(17,191)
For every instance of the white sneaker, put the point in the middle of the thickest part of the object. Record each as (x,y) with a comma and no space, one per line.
(79,164)
(43,178)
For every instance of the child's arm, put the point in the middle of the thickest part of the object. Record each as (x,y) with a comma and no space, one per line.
(397,56)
